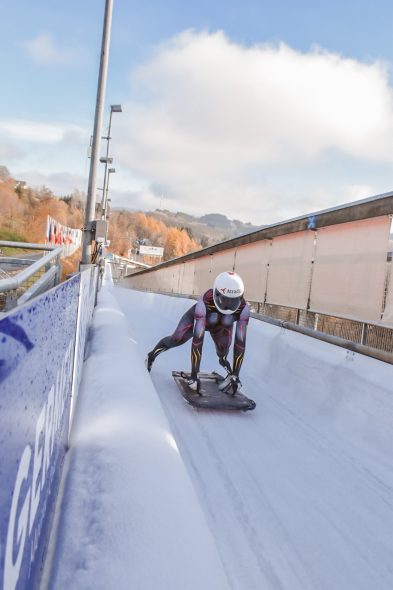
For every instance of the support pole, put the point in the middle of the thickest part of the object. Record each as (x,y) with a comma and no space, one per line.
(95,150)
(106,175)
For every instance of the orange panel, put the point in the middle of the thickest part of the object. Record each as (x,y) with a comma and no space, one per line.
(350,269)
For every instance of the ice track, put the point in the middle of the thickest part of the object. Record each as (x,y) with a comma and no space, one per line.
(295,495)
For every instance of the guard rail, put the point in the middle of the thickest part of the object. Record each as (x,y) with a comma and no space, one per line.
(39,276)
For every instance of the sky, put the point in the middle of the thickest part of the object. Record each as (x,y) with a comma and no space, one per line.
(258,110)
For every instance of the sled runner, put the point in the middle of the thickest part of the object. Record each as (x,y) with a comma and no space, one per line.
(209,395)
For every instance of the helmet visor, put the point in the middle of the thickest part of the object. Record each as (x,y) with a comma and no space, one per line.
(226,304)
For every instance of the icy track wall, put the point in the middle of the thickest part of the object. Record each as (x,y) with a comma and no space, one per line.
(41,354)
(333,262)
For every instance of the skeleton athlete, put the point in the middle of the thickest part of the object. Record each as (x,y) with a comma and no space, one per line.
(216,311)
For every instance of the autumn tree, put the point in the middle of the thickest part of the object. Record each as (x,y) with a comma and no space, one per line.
(121,232)
(4,173)
(12,207)
(178,243)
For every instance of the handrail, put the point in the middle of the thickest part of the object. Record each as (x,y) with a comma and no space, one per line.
(128,261)
(39,286)
(376,353)
(27,246)
(15,282)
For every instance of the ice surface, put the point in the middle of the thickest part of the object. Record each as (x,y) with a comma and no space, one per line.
(296,495)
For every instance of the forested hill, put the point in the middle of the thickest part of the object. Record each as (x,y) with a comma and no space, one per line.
(24,211)
(178,233)
(208,229)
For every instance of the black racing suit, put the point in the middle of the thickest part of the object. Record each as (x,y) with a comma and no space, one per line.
(204,316)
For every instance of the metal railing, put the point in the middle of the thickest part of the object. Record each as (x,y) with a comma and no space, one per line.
(22,279)
(121,266)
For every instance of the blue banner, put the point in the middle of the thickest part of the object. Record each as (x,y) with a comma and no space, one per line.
(36,364)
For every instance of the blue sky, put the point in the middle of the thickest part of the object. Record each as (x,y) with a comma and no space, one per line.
(258,110)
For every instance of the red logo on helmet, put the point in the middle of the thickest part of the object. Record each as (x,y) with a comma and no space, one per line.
(223,290)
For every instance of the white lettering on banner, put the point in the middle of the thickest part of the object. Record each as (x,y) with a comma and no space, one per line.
(24,524)
(17,524)
(37,468)
(49,430)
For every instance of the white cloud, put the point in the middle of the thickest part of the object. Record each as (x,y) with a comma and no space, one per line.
(51,154)
(355,192)
(60,183)
(20,129)
(209,116)
(9,152)
(143,199)
(42,50)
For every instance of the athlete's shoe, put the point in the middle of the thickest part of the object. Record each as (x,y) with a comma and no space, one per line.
(230,385)
(193,384)
(225,383)
(149,361)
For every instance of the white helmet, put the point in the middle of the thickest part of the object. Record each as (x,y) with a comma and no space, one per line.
(228,291)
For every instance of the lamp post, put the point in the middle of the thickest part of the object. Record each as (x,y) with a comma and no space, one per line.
(105,161)
(106,203)
(95,148)
(115,108)
(110,171)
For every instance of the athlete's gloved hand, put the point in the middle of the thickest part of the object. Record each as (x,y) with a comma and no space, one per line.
(149,361)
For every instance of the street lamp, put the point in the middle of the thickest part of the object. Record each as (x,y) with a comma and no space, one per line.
(105,161)
(110,171)
(115,108)
(105,213)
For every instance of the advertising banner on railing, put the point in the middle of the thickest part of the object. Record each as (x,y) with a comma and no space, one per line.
(61,235)
(36,365)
